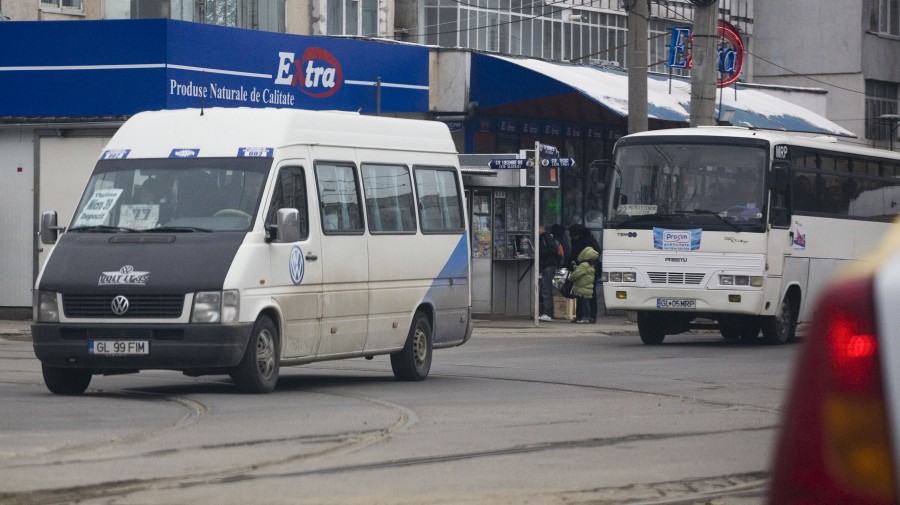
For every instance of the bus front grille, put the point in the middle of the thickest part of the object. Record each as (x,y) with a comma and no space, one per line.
(675,278)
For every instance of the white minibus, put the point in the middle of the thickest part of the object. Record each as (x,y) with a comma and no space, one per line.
(738,227)
(237,241)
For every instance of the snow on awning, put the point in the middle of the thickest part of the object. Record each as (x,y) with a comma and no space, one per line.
(525,78)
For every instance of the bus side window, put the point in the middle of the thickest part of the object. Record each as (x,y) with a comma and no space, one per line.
(290,193)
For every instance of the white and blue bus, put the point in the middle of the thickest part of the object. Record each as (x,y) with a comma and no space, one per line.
(737,227)
(235,241)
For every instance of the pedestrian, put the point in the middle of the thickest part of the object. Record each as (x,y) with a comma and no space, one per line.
(559,233)
(581,238)
(583,277)
(549,261)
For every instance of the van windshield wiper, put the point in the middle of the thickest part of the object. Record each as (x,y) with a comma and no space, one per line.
(103,228)
(179,229)
(717,216)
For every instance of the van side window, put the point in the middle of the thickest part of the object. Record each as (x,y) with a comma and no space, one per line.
(339,200)
(290,193)
(389,198)
(440,207)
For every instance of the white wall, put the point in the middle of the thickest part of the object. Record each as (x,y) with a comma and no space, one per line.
(16,216)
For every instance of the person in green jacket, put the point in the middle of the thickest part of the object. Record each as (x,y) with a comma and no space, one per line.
(583,279)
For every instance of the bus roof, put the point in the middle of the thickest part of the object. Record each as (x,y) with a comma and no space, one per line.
(221,132)
(805,140)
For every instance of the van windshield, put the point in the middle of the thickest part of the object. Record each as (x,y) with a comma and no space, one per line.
(146,195)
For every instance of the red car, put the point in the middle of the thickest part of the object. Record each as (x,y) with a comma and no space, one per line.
(840,436)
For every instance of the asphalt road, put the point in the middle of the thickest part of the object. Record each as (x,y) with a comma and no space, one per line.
(518,415)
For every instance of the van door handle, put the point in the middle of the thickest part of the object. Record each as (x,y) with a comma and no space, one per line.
(311,257)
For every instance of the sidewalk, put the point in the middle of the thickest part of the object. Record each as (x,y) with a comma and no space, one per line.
(606,325)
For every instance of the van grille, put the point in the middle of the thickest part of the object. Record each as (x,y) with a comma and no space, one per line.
(675,278)
(139,306)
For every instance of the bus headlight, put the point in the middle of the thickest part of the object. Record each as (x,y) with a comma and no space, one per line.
(216,307)
(47,308)
(741,280)
(618,277)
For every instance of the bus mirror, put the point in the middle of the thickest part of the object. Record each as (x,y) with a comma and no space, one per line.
(780,179)
(287,225)
(49,229)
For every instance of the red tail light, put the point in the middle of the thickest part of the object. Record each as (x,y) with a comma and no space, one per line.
(834,446)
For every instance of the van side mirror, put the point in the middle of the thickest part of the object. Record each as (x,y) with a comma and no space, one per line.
(49,230)
(286,228)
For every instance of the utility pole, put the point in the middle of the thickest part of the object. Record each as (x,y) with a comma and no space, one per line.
(638,14)
(705,60)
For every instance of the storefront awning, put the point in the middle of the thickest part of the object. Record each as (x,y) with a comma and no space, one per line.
(502,84)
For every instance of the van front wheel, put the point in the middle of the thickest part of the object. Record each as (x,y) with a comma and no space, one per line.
(258,370)
(414,362)
(66,381)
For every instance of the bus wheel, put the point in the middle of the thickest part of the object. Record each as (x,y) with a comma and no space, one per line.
(750,326)
(66,381)
(414,362)
(729,328)
(258,370)
(780,328)
(651,327)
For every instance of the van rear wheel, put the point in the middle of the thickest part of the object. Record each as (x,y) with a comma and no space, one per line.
(414,362)
(66,381)
(258,370)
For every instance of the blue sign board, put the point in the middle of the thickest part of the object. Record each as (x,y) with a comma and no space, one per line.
(558,162)
(510,164)
(121,67)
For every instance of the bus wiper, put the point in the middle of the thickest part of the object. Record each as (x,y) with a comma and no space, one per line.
(717,215)
(103,228)
(179,229)
(645,218)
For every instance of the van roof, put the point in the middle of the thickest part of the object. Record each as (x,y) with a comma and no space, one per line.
(221,132)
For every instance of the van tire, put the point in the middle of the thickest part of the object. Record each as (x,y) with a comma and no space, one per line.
(258,370)
(66,381)
(414,362)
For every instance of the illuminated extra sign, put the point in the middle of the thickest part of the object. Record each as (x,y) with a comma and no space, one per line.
(730,52)
(317,73)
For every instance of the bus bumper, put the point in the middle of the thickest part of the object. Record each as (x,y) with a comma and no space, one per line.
(749,302)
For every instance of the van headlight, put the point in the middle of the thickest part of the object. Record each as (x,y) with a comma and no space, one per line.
(216,306)
(47,307)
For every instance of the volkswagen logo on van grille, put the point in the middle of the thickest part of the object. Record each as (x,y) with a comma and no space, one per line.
(119,305)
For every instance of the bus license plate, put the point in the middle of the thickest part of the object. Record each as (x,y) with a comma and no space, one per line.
(119,347)
(676,303)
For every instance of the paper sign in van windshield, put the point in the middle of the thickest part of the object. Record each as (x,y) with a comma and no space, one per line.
(115,154)
(96,211)
(295,264)
(636,210)
(676,240)
(125,276)
(139,217)
(184,153)
(255,152)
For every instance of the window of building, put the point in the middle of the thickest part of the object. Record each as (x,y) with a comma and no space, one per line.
(881,99)
(389,198)
(885,17)
(63,5)
(352,17)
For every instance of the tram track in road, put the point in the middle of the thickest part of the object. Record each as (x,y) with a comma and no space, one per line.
(344,443)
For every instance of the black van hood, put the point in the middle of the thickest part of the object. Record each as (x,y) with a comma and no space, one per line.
(149,263)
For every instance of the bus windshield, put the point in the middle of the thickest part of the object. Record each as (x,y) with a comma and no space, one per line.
(171,195)
(703,184)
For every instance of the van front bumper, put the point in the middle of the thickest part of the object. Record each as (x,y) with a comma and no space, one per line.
(170,347)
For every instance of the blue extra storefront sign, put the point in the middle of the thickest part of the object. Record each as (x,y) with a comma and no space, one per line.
(121,67)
